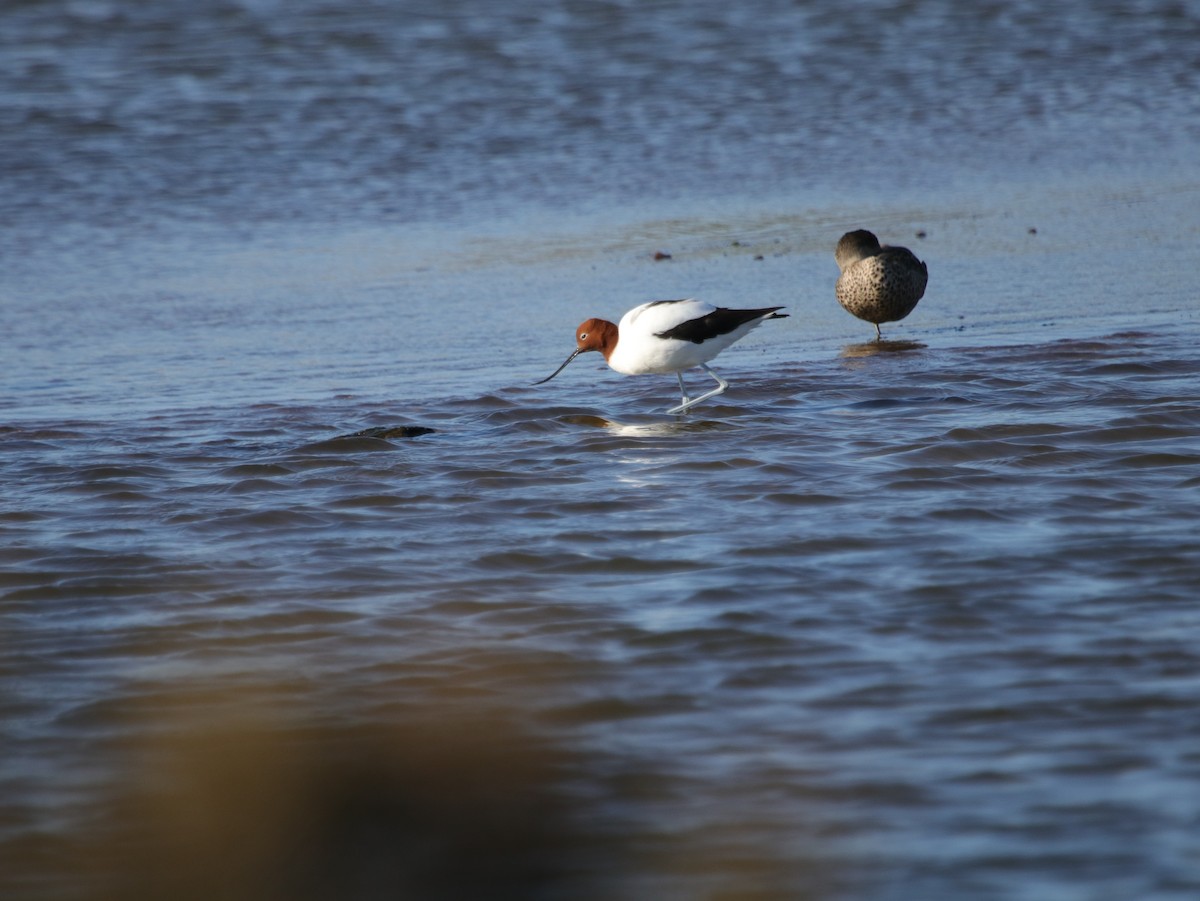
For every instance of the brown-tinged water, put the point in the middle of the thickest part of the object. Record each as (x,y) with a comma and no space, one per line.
(307,592)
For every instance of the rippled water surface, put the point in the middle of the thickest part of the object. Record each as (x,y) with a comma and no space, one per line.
(306,591)
(898,622)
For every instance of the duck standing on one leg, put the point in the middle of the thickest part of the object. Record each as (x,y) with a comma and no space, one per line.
(668,336)
(878,284)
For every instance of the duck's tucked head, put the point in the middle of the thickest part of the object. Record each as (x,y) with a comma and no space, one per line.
(596,334)
(855,246)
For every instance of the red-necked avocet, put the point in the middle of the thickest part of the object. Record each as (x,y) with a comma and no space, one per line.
(668,336)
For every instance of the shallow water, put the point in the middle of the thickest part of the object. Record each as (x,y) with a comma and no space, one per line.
(887,620)
(919,620)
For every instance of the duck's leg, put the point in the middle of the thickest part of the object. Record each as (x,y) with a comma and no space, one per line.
(878,333)
(688,403)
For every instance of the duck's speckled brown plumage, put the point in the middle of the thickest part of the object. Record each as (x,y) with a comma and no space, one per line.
(878,284)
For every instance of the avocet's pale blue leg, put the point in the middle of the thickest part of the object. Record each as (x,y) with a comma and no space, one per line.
(689,403)
(683,395)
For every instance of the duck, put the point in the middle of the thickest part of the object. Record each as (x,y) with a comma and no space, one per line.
(878,283)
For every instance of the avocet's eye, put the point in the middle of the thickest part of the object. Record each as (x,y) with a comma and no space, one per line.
(583,336)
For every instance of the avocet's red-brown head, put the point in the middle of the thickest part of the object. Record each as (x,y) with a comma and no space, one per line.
(596,334)
(592,334)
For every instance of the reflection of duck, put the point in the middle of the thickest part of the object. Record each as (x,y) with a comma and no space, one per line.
(878,284)
(668,336)
(878,346)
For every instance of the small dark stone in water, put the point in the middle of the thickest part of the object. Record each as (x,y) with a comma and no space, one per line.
(758,257)
(398,431)
(660,255)
(921,233)
(1033,231)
